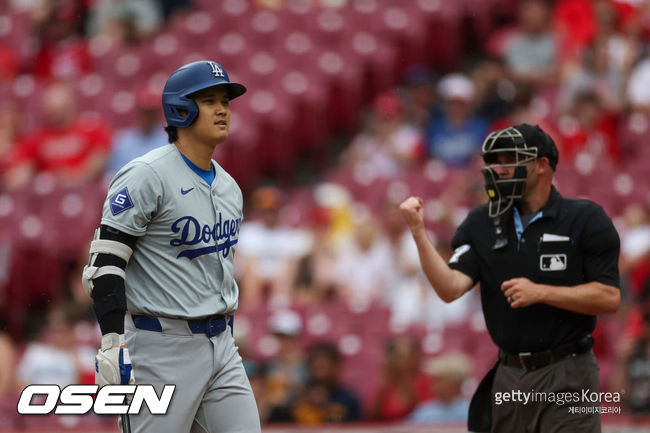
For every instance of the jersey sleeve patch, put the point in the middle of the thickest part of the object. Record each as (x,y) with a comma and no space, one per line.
(121,201)
(459,252)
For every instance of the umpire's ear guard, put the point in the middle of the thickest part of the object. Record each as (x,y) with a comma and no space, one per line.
(502,193)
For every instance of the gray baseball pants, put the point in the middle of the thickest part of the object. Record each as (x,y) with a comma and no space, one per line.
(212,393)
(565,379)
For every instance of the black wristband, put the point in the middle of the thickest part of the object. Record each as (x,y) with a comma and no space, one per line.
(112,322)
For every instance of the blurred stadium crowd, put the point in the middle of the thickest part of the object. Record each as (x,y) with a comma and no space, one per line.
(353,105)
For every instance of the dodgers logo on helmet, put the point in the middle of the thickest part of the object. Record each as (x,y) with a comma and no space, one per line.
(216,70)
(179,108)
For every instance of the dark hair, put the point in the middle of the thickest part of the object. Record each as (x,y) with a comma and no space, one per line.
(172,133)
(325,349)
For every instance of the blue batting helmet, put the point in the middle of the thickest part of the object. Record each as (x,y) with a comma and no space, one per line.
(190,79)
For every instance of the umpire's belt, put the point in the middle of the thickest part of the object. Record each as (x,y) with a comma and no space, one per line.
(209,326)
(533,361)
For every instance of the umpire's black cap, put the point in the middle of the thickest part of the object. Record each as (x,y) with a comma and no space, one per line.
(536,137)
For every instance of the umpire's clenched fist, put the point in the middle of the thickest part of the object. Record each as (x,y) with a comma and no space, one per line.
(413,212)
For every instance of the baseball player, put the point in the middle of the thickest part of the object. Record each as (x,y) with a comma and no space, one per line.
(547,266)
(161,267)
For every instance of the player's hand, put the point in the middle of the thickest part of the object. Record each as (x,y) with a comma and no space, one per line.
(112,363)
(413,212)
(521,292)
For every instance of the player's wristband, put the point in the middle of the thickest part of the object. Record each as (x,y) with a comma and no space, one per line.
(112,322)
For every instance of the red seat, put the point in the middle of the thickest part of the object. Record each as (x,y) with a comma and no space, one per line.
(35,279)
(8,415)
(72,215)
(15,206)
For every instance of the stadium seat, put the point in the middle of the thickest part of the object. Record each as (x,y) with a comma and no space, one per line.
(72,215)
(8,415)
(191,30)
(396,25)
(267,29)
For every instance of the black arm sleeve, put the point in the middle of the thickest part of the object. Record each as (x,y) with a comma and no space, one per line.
(108,294)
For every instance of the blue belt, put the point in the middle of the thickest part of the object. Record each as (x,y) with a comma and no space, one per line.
(210,326)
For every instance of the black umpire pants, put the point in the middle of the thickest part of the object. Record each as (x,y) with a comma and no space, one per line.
(557,398)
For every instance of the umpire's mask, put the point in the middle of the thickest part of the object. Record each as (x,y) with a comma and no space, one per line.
(503,192)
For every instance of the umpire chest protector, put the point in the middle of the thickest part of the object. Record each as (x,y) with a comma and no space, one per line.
(570,242)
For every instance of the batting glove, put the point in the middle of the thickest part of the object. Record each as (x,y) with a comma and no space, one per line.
(112,363)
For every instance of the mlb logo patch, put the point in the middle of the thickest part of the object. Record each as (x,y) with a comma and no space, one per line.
(552,262)
(120,201)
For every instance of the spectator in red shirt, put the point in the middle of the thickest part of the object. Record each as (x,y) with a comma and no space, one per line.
(8,63)
(575,21)
(62,49)
(589,128)
(404,385)
(72,149)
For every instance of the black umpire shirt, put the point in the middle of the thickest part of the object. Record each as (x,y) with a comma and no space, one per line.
(571,242)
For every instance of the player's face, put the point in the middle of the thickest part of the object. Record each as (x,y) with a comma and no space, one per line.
(213,121)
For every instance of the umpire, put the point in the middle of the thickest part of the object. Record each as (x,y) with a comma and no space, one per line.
(547,265)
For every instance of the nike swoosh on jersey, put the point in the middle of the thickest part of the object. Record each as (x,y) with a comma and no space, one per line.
(185,191)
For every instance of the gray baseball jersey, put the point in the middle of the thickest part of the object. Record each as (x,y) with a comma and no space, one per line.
(182,265)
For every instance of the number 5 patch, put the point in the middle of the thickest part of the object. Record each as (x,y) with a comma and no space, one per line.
(121,201)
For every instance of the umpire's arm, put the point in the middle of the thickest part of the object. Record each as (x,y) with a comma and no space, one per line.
(449,284)
(589,298)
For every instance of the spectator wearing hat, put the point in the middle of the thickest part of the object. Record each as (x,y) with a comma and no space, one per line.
(448,374)
(387,146)
(455,134)
(147,134)
(325,399)
(286,373)
(269,252)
